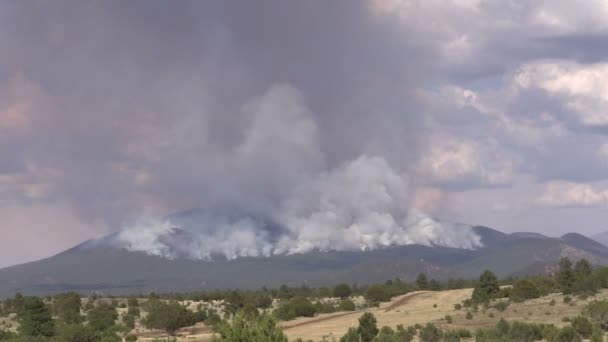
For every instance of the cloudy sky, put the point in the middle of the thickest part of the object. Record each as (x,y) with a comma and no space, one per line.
(488,112)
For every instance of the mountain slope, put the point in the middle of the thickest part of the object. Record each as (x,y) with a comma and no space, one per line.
(601,238)
(95,266)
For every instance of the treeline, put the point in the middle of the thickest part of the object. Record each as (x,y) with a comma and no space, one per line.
(579,279)
(70,318)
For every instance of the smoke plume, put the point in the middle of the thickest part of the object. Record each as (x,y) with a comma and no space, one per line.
(361,205)
(291,126)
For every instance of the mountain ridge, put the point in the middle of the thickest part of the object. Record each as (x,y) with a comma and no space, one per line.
(93,266)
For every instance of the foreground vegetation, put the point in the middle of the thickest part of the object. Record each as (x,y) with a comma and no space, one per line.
(254,315)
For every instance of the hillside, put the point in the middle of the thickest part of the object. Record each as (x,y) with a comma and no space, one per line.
(93,267)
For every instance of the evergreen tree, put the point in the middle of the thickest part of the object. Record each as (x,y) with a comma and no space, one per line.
(422,282)
(565,276)
(36,318)
(368,327)
(486,288)
(582,269)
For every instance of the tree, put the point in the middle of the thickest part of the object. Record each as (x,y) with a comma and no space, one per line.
(342,291)
(565,276)
(132,302)
(377,293)
(167,316)
(351,336)
(524,289)
(67,307)
(422,282)
(36,318)
(102,317)
(246,328)
(582,269)
(486,288)
(434,285)
(368,327)
(75,333)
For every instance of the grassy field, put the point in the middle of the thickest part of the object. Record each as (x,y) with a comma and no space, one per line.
(423,307)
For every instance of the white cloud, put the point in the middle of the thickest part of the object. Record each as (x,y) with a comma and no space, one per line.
(568,194)
(458,161)
(583,88)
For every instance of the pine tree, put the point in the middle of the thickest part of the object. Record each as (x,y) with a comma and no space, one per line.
(486,288)
(368,327)
(422,281)
(565,276)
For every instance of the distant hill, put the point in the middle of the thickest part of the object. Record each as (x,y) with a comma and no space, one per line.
(601,238)
(95,266)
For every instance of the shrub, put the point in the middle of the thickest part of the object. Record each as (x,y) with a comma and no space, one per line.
(131,338)
(520,331)
(597,312)
(102,317)
(552,302)
(451,336)
(378,293)
(448,318)
(368,328)
(342,291)
(167,316)
(457,306)
(597,334)
(430,333)
(347,305)
(469,315)
(244,328)
(582,326)
(567,299)
(501,306)
(567,334)
(351,336)
(296,307)
(524,290)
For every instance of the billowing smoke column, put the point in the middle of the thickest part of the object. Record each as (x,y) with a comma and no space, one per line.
(293,125)
(361,205)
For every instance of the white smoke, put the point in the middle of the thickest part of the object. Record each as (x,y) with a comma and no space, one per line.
(361,205)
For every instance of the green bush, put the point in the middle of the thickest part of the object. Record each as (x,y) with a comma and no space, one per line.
(296,307)
(430,333)
(368,328)
(582,326)
(246,328)
(342,291)
(524,290)
(347,305)
(167,316)
(597,312)
(378,293)
(501,306)
(567,334)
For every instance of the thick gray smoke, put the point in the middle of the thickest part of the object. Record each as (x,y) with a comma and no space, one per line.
(361,205)
(292,125)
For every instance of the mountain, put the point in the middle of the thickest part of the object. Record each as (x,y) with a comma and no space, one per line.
(100,266)
(601,238)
